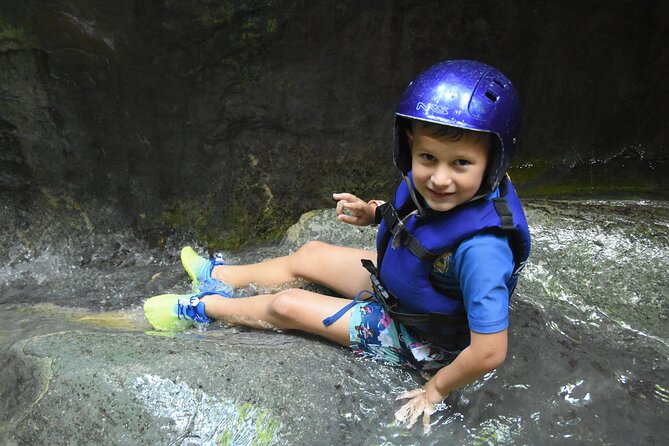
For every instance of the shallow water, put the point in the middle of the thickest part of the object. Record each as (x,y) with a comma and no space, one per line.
(587,359)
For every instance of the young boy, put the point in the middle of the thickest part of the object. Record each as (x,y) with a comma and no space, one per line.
(449,250)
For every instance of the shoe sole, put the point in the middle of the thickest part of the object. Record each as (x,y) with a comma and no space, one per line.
(186,252)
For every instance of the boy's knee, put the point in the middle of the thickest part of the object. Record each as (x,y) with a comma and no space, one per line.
(283,305)
(306,256)
(311,248)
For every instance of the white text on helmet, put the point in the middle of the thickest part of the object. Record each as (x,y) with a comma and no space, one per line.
(434,108)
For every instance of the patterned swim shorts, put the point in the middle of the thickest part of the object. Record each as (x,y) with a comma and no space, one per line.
(374,334)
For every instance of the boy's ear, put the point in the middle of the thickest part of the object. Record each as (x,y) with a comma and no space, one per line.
(407,131)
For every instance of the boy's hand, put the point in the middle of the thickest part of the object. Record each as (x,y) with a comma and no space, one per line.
(352,210)
(423,402)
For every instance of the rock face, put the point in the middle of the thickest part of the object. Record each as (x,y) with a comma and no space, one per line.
(588,341)
(129,128)
(231,118)
(143,390)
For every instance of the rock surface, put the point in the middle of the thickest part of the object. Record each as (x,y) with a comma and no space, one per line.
(588,341)
(232,118)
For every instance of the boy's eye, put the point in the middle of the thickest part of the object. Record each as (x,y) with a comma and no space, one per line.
(462,162)
(427,157)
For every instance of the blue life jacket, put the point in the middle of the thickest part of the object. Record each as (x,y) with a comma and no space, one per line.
(409,244)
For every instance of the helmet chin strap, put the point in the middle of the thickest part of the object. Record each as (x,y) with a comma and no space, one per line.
(412,192)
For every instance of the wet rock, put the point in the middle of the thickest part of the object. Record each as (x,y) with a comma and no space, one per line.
(146,390)
(603,259)
(582,349)
(323,225)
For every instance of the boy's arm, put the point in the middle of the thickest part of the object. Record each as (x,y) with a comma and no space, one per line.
(485,353)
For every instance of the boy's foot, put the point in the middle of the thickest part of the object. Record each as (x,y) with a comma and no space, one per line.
(176,312)
(199,270)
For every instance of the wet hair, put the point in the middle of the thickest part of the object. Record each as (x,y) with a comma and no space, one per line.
(446,131)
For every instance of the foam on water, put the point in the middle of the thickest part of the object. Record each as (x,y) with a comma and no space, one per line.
(199,419)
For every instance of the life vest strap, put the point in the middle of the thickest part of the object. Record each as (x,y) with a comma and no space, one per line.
(433,322)
(403,237)
(505,215)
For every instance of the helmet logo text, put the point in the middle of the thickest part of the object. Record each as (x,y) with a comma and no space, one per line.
(433,108)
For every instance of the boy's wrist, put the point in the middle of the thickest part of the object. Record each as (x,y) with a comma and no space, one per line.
(434,396)
(376,212)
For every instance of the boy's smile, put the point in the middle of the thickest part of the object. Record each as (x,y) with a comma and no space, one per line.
(447,172)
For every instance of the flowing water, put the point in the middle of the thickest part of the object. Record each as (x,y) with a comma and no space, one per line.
(587,358)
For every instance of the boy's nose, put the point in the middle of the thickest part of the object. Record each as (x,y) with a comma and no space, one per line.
(442,177)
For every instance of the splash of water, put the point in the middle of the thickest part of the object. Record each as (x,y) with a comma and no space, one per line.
(200,419)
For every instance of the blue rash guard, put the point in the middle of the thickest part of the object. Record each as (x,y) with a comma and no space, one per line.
(480,268)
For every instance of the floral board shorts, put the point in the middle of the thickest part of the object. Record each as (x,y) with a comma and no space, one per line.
(374,334)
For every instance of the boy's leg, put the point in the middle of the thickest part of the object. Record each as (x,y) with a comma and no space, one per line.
(335,267)
(292,309)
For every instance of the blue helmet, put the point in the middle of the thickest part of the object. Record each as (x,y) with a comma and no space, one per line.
(465,94)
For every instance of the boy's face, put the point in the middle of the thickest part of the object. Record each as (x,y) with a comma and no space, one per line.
(447,173)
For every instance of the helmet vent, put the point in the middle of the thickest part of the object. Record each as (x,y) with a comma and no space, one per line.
(498,82)
(492,96)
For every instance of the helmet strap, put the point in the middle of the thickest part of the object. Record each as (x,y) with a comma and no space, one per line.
(412,192)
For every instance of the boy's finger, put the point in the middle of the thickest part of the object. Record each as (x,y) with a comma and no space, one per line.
(409,394)
(401,415)
(342,196)
(415,414)
(426,421)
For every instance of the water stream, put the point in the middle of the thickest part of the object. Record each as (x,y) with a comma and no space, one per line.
(587,359)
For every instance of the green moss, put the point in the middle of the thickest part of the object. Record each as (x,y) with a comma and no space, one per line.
(221,15)
(248,228)
(16,37)
(579,189)
(239,224)
(187,215)
(356,178)
(272,25)
(264,429)
(493,432)
(540,178)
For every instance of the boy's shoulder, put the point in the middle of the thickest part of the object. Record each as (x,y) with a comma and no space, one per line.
(490,239)
(489,248)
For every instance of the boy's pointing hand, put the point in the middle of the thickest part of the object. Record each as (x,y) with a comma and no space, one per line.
(351,209)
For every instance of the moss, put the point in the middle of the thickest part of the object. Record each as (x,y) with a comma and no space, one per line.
(263,431)
(189,216)
(71,214)
(357,177)
(272,25)
(601,190)
(16,37)
(221,15)
(541,178)
(251,227)
(238,225)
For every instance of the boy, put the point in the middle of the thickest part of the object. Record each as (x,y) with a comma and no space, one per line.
(449,249)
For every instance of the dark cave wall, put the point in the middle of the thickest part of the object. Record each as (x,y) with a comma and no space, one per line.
(231,118)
